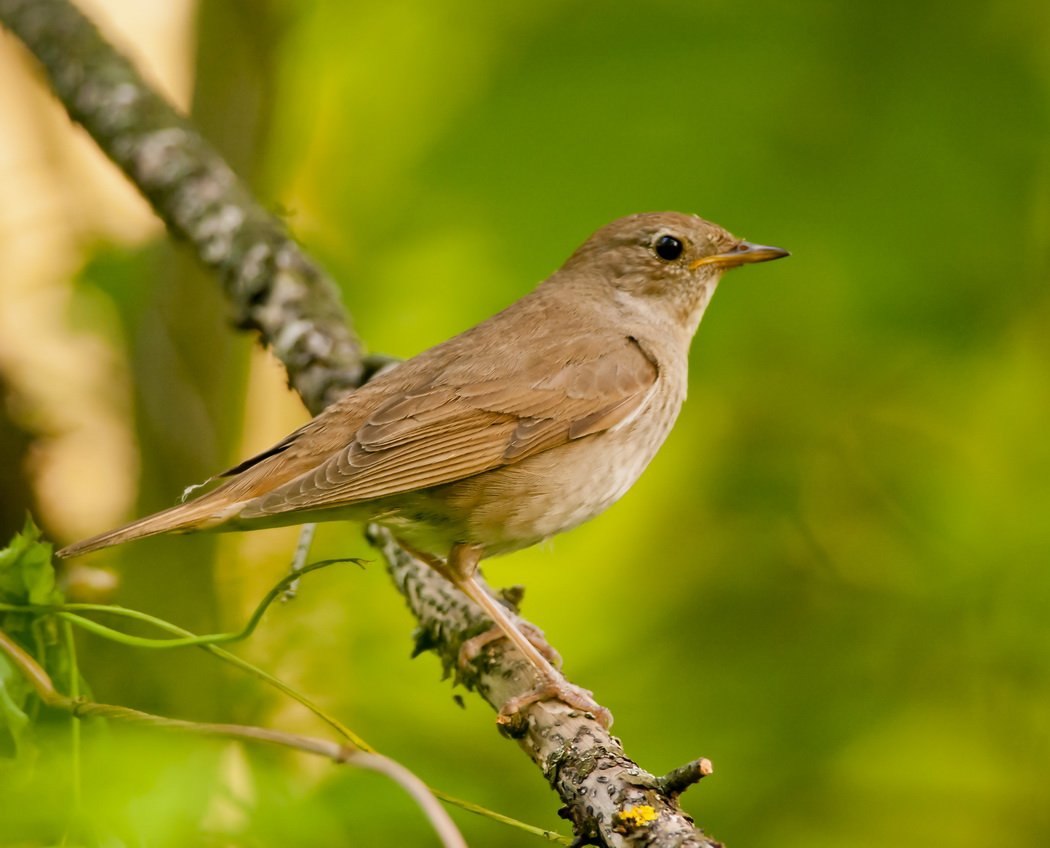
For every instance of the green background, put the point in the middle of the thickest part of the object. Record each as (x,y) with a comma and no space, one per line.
(833,581)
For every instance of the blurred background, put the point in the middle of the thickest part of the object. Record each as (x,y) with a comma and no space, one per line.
(834,580)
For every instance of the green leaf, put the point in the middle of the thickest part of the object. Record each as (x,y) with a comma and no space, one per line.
(14,695)
(26,572)
(27,576)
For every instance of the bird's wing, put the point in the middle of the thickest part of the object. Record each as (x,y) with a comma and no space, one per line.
(439,433)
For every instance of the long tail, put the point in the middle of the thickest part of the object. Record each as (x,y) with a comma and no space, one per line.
(200,514)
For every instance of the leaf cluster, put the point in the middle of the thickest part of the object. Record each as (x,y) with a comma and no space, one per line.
(27,578)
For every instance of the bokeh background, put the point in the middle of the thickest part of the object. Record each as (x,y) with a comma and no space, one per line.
(834,581)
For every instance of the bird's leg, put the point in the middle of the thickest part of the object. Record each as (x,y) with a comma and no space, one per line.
(461,568)
(470,648)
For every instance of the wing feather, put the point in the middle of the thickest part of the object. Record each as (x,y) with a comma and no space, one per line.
(434,434)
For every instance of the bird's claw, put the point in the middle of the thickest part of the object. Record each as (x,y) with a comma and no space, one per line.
(472,648)
(556,690)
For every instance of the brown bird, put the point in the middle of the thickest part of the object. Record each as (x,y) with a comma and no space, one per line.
(522,427)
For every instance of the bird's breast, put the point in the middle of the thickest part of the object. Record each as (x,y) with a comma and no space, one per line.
(521,504)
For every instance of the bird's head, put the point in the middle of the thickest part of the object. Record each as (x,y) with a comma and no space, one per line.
(667,259)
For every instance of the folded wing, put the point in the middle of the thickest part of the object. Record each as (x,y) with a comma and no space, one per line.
(448,430)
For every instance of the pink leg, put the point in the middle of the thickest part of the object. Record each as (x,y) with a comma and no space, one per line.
(461,568)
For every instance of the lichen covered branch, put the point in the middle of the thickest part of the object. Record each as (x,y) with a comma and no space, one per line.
(609,798)
(271,284)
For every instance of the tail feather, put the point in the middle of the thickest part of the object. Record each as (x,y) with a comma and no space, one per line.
(200,514)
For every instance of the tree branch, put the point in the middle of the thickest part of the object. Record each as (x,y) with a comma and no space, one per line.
(609,798)
(272,285)
(277,290)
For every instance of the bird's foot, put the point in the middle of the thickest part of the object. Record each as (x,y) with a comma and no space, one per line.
(471,648)
(556,689)
(551,686)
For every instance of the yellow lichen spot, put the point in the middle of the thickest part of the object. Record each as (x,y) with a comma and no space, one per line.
(637,816)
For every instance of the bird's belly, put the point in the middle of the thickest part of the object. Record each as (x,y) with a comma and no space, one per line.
(556,491)
(518,505)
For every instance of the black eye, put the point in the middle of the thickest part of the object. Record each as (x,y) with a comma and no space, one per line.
(668,247)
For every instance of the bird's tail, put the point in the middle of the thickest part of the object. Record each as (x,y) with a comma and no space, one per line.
(200,514)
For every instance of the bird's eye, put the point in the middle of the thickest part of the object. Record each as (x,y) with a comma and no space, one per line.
(668,248)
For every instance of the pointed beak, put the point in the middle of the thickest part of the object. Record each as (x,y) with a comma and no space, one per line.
(742,253)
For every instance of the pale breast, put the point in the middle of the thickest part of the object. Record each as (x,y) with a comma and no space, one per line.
(521,504)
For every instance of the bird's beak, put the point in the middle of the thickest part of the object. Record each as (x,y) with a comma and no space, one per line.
(742,253)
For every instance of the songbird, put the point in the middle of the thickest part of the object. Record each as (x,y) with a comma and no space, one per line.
(524,426)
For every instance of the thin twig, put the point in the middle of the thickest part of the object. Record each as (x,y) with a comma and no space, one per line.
(676,781)
(334,751)
(68,613)
(302,551)
(188,639)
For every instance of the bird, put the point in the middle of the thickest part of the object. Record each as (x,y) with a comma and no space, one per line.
(522,427)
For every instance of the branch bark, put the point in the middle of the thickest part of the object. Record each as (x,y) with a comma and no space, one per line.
(276,289)
(272,285)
